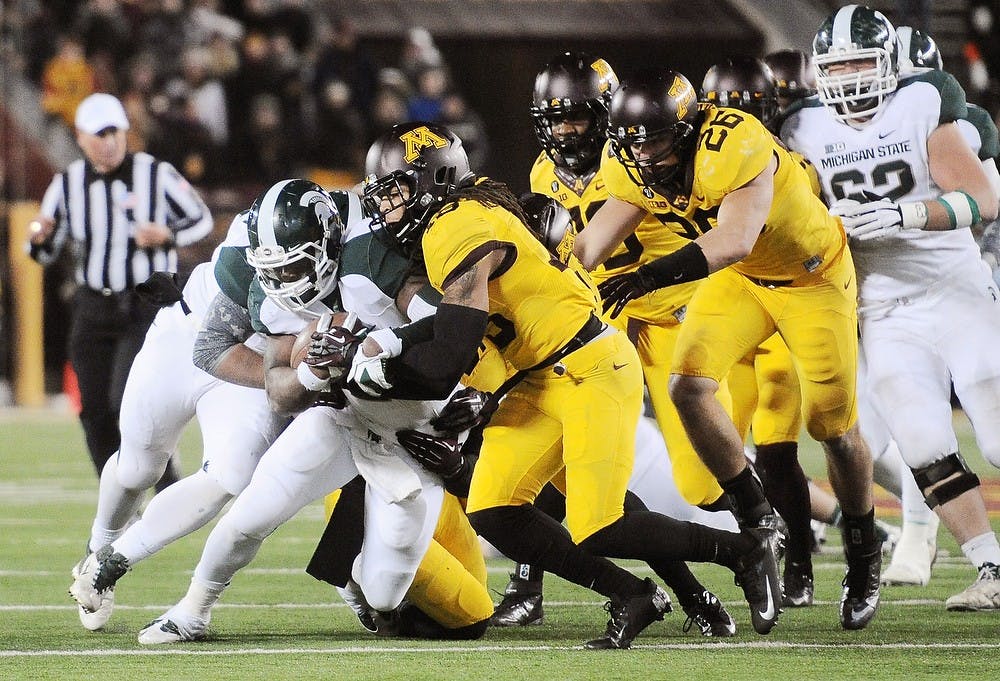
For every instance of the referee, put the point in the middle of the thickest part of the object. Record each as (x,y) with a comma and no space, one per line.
(124,214)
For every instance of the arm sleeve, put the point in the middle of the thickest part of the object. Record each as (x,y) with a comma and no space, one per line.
(437,364)
(226,324)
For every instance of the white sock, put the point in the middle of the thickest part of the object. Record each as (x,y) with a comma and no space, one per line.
(177,511)
(200,598)
(982,549)
(116,506)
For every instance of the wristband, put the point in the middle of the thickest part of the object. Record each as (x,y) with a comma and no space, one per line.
(914,215)
(962,209)
(391,344)
(309,380)
(687,263)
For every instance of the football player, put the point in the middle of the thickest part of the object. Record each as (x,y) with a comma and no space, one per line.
(574,402)
(569,111)
(763,384)
(714,176)
(894,164)
(164,391)
(793,75)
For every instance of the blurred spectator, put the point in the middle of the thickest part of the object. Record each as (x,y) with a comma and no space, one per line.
(104,27)
(67,79)
(206,21)
(468,125)
(292,18)
(273,151)
(419,54)
(982,55)
(206,95)
(140,87)
(223,56)
(388,109)
(425,105)
(162,32)
(180,138)
(343,69)
(914,13)
(340,130)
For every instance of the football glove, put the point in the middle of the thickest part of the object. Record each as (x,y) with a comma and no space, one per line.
(466,409)
(437,454)
(334,347)
(368,373)
(878,218)
(619,290)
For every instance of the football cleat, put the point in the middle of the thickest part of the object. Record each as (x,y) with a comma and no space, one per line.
(914,555)
(860,598)
(520,606)
(757,573)
(982,594)
(774,522)
(710,616)
(630,616)
(797,585)
(93,586)
(173,626)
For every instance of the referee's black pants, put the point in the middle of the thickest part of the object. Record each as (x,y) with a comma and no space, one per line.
(107,332)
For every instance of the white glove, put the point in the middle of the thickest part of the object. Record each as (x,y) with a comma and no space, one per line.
(368,371)
(878,219)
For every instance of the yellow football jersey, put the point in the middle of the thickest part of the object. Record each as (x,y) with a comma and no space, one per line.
(800,236)
(536,303)
(582,196)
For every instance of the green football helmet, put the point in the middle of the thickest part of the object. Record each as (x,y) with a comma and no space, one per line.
(295,235)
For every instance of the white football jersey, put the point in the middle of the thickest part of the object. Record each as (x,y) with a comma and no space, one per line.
(888,158)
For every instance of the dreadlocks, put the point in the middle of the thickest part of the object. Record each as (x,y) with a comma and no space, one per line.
(490,193)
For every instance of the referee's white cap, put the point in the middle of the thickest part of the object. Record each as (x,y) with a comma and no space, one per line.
(99,111)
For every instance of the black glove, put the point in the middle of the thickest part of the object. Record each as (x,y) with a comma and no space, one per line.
(437,454)
(617,291)
(466,409)
(161,289)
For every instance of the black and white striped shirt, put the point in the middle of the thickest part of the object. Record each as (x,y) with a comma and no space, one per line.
(100,213)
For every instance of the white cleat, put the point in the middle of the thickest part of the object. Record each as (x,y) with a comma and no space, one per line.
(982,594)
(93,608)
(173,626)
(914,555)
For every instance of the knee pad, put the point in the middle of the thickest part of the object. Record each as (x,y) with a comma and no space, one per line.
(955,473)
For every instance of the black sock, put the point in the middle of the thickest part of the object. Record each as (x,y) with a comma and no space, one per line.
(674,573)
(786,487)
(524,572)
(527,535)
(657,539)
(749,502)
(859,535)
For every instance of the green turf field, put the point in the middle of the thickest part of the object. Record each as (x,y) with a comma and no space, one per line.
(276,622)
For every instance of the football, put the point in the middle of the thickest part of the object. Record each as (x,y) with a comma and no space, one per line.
(300,348)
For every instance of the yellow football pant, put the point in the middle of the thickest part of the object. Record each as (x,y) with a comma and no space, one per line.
(655,344)
(584,419)
(729,315)
(766,396)
(450,582)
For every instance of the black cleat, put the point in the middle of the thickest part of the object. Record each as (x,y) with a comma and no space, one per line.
(861,590)
(631,616)
(710,616)
(798,585)
(521,605)
(757,573)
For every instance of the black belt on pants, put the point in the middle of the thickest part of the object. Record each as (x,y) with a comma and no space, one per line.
(588,332)
(770,283)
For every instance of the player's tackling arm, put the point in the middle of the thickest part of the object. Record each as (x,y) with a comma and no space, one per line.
(611,224)
(741,218)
